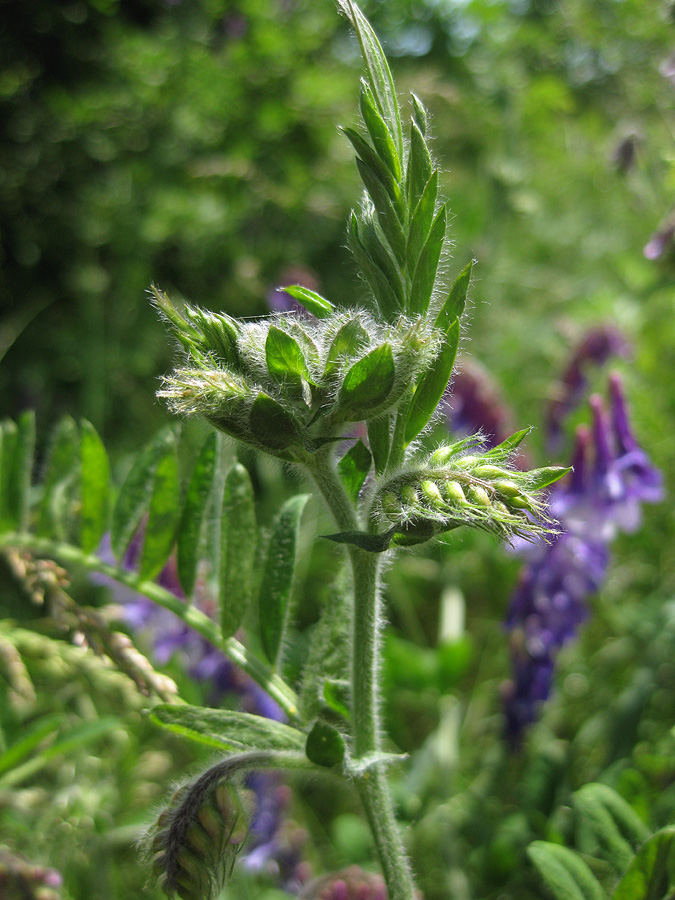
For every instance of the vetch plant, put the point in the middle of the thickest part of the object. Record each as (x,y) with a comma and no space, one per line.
(294,387)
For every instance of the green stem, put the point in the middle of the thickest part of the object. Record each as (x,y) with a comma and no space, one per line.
(366,648)
(67,554)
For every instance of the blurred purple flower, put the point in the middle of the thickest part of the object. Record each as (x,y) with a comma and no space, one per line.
(662,239)
(612,477)
(597,346)
(473,403)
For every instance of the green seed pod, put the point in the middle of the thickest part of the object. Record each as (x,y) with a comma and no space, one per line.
(453,492)
(478,495)
(520,502)
(409,495)
(467,462)
(507,488)
(431,493)
(489,472)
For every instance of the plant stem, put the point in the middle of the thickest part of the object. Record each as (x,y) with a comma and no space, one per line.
(275,686)
(366,640)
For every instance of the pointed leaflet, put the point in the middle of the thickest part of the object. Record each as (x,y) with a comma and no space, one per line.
(369,157)
(350,339)
(60,482)
(387,301)
(284,357)
(239,541)
(453,308)
(271,424)
(194,509)
(354,467)
(314,303)
(651,874)
(616,826)
(373,543)
(506,448)
(369,381)
(380,78)
(379,438)
(380,255)
(378,131)
(386,212)
(94,488)
(228,730)
(163,514)
(420,166)
(422,218)
(566,874)
(427,265)
(136,492)
(537,479)
(277,581)
(432,385)
(17,468)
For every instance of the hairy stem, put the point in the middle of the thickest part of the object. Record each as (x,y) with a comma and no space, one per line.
(67,554)
(366,630)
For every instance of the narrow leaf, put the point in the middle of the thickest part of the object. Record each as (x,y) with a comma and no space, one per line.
(94,487)
(354,467)
(503,450)
(379,133)
(20,471)
(163,514)
(387,300)
(369,381)
(453,308)
(427,265)
(314,303)
(194,511)
(419,114)
(61,477)
(540,478)
(617,828)
(379,438)
(17,752)
(228,730)
(565,873)
(8,432)
(349,340)
(379,170)
(380,79)
(651,874)
(382,258)
(240,535)
(419,165)
(277,580)
(284,357)
(422,219)
(432,385)
(386,212)
(136,492)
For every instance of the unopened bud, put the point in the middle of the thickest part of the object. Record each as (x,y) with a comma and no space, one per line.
(432,493)
(453,492)
(478,495)
(488,472)
(507,488)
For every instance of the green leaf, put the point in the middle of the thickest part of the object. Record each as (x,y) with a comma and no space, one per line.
(94,487)
(325,745)
(506,448)
(419,165)
(453,308)
(277,580)
(194,510)
(420,224)
(419,114)
(566,874)
(617,828)
(284,357)
(382,258)
(387,300)
(349,340)
(61,480)
(651,874)
(369,381)
(427,265)
(373,543)
(271,424)
(336,694)
(386,212)
(240,537)
(354,467)
(380,79)
(23,748)
(432,385)
(379,133)
(18,466)
(379,438)
(537,479)
(314,303)
(228,730)
(379,170)
(136,492)
(163,514)
(8,433)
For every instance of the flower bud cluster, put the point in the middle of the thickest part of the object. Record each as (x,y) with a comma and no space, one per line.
(195,841)
(459,485)
(288,384)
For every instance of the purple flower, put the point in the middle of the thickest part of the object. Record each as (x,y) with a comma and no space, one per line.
(612,477)
(596,347)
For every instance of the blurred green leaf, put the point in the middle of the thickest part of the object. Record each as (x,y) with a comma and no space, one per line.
(195,506)
(354,467)
(95,487)
(163,514)
(240,538)
(325,745)
(651,874)
(565,873)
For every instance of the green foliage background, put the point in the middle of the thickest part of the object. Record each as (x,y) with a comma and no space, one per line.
(194,144)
